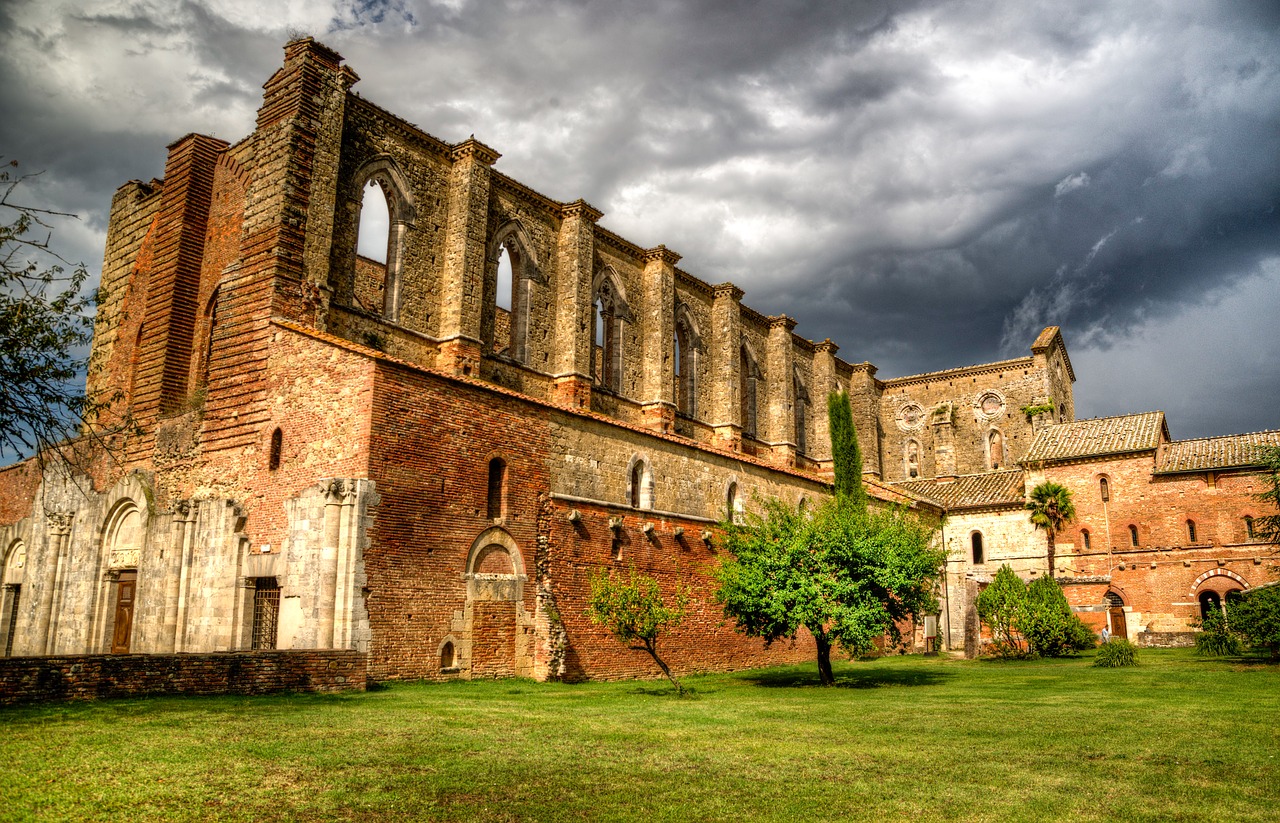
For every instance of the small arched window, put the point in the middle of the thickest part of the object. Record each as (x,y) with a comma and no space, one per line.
(731,502)
(497,487)
(1104,489)
(802,416)
(640,485)
(913,459)
(976,540)
(385,216)
(749,379)
(1191,531)
(1084,539)
(995,449)
(447,660)
(1248,528)
(277,447)
(1133,535)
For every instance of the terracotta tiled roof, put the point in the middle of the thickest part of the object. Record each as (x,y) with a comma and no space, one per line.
(1002,488)
(1225,452)
(1103,435)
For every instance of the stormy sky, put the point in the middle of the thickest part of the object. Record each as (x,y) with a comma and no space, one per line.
(928,184)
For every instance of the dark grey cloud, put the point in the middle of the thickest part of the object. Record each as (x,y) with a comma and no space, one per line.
(927,184)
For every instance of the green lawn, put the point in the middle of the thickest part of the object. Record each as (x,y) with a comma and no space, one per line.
(1177,738)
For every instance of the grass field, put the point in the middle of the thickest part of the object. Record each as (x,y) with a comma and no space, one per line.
(1177,738)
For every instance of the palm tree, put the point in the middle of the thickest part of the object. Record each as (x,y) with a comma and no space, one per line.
(1051,509)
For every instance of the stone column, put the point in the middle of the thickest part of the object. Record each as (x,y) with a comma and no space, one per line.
(657,318)
(59,533)
(779,392)
(466,235)
(571,381)
(726,354)
(184,524)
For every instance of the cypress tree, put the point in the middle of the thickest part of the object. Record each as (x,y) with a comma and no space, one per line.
(845,454)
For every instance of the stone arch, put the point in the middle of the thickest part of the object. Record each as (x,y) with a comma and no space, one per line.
(911,451)
(495,567)
(749,378)
(640,471)
(733,499)
(512,238)
(12,573)
(123,539)
(977,548)
(447,653)
(609,310)
(385,173)
(996,448)
(688,346)
(800,406)
(1212,573)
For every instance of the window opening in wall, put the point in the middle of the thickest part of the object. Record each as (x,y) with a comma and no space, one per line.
(211,322)
(1248,527)
(10,616)
(977,548)
(1084,538)
(1209,602)
(749,379)
(802,417)
(731,502)
(686,363)
(1191,531)
(497,487)
(1133,535)
(505,280)
(913,459)
(266,612)
(995,443)
(277,446)
(1104,489)
(447,658)
(375,224)
(1062,412)
(637,483)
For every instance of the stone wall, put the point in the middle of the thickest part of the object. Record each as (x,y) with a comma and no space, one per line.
(90,677)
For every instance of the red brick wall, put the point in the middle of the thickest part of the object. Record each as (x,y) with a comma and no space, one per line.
(18,484)
(88,677)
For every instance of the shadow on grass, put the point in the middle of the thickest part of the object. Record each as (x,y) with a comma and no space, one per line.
(871,678)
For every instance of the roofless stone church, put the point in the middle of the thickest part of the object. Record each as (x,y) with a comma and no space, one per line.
(392,457)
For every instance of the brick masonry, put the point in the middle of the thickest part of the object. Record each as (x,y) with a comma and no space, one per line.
(89,677)
(323,427)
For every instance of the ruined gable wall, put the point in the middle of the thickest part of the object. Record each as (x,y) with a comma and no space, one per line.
(957,443)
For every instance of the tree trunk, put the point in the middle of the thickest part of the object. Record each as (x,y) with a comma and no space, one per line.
(1053,572)
(653,652)
(824,659)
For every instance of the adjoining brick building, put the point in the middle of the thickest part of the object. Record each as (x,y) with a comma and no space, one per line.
(393,457)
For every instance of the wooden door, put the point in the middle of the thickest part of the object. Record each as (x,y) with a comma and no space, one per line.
(126,589)
(1118,629)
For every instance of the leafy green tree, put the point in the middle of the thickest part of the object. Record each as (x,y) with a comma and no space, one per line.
(1051,509)
(45,317)
(1000,607)
(1256,618)
(846,454)
(1046,621)
(635,612)
(1268,526)
(846,573)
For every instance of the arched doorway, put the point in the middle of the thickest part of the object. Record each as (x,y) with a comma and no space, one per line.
(497,628)
(1115,616)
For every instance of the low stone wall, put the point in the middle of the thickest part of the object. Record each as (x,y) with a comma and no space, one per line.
(1165,640)
(91,676)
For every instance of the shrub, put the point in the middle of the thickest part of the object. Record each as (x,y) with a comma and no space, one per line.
(1048,624)
(999,606)
(1116,653)
(1214,638)
(1256,618)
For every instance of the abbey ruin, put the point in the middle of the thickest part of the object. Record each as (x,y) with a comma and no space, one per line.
(392,457)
